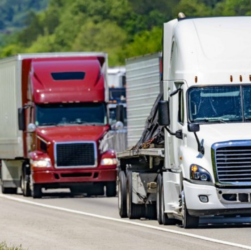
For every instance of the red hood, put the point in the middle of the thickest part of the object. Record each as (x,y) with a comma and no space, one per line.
(72,133)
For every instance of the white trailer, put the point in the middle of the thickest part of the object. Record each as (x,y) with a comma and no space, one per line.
(204,165)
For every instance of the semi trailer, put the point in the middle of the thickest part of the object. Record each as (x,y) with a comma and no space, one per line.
(193,157)
(53,110)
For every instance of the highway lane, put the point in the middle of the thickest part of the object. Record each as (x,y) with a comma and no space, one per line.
(230,230)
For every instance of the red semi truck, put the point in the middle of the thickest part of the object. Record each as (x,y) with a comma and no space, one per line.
(53,110)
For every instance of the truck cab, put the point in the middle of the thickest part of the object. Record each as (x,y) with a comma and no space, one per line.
(62,120)
(203,166)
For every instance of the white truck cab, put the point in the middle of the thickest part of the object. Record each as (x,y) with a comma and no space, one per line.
(204,167)
(207,62)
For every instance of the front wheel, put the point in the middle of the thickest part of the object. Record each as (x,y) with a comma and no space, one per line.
(111,190)
(36,191)
(188,220)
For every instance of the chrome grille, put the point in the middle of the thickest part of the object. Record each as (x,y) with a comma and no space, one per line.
(233,164)
(75,154)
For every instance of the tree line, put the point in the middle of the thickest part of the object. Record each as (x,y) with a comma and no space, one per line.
(122,28)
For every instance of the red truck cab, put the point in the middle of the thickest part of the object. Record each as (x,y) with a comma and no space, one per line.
(63,118)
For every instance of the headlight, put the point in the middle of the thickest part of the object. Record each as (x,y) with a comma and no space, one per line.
(109,161)
(198,173)
(41,163)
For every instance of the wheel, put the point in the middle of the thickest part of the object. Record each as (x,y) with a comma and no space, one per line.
(96,189)
(188,220)
(76,191)
(111,189)
(8,190)
(122,195)
(163,216)
(151,211)
(158,199)
(36,191)
(134,211)
(25,184)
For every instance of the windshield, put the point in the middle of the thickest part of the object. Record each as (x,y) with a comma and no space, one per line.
(112,112)
(69,113)
(219,104)
(118,94)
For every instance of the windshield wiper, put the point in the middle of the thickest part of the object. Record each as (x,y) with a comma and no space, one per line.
(210,120)
(48,124)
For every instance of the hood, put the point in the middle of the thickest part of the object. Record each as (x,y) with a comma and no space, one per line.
(212,133)
(72,133)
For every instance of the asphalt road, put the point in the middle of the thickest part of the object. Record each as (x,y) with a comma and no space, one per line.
(60,221)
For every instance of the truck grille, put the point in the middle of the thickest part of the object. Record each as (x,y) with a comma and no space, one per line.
(233,164)
(82,154)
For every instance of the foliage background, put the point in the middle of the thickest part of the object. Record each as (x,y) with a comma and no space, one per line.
(123,28)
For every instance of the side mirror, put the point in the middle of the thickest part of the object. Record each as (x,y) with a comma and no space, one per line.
(120,113)
(118,125)
(193,127)
(31,128)
(164,118)
(21,119)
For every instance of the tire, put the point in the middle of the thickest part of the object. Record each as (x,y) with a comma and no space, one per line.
(96,189)
(111,190)
(122,198)
(151,211)
(188,220)
(163,216)
(36,191)
(8,190)
(158,199)
(25,185)
(134,211)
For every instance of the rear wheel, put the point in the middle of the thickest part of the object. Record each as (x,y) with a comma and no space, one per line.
(151,212)
(36,191)
(111,189)
(122,195)
(158,199)
(163,216)
(134,211)
(8,190)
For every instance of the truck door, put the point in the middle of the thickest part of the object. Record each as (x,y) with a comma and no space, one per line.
(177,124)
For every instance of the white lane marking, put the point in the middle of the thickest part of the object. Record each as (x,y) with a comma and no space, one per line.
(127,222)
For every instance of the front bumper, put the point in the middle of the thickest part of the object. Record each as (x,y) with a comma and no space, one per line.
(216,204)
(74,176)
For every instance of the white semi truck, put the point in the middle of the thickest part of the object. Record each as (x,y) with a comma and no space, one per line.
(202,164)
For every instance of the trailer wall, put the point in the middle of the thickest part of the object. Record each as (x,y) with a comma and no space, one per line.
(11,141)
(142,88)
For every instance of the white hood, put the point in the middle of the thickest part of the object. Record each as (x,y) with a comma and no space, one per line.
(212,133)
